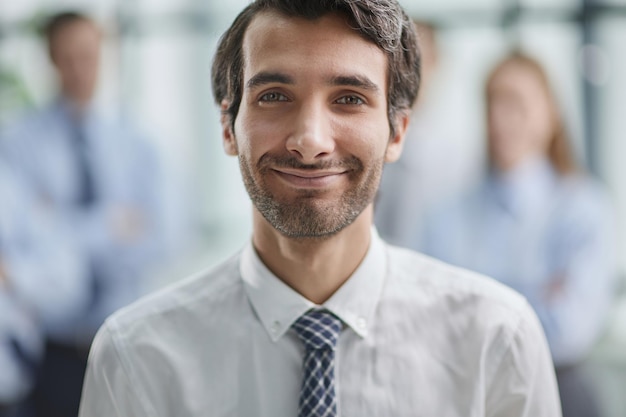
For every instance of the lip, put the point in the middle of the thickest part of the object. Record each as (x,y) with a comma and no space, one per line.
(309,179)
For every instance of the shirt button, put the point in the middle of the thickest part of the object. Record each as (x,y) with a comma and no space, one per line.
(361,323)
(275,327)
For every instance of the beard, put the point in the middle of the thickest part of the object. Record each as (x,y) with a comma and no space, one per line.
(309,215)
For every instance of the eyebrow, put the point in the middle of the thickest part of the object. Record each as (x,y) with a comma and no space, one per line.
(263,78)
(359,81)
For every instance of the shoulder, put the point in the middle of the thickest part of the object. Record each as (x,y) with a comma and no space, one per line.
(118,133)
(468,318)
(29,130)
(462,205)
(208,294)
(448,224)
(118,122)
(454,293)
(14,197)
(29,120)
(142,353)
(583,192)
(583,202)
(427,273)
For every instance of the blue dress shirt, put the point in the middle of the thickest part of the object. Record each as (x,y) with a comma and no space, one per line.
(42,284)
(121,234)
(551,237)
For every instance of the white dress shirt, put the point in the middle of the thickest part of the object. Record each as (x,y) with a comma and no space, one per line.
(420,338)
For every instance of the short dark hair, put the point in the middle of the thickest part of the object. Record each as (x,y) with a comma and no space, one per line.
(56,22)
(383,22)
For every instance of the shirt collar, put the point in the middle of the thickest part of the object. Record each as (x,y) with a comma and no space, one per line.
(525,189)
(278,306)
(64,107)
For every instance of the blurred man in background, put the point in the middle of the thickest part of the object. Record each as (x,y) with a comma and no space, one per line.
(41,284)
(101,179)
(433,165)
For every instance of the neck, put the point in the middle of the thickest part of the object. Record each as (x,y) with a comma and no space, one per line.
(77,106)
(315,268)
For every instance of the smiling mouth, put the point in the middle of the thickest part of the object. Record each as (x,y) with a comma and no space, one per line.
(310,173)
(309,179)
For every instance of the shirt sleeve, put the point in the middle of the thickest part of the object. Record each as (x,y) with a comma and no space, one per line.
(44,272)
(574,307)
(21,346)
(524,383)
(124,266)
(109,389)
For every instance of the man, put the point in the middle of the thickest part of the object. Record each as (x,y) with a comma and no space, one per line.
(100,179)
(317,316)
(40,284)
(416,183)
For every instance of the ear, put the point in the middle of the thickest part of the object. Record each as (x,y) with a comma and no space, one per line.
(228,136)
(396,143)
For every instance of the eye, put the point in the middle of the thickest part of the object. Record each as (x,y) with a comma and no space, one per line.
(273,96)
(353,100)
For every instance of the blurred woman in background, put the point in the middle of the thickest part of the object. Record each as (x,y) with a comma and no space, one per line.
(537,223)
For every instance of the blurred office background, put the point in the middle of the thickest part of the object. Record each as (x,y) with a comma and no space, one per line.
(156,68)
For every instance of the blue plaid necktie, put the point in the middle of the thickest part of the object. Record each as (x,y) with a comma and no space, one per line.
(319,331)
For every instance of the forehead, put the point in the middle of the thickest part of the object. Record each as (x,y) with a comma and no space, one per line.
(309,47)
(518,77)
(79,31)
(78,25)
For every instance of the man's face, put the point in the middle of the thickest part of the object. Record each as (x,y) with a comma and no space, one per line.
(75,52)
(312,132)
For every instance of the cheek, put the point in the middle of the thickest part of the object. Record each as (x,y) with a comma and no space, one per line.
(543,125)
(508,116)
(261,130)
(367,138)
(511,127)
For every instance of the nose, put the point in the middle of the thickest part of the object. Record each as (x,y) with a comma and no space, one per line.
(311,136)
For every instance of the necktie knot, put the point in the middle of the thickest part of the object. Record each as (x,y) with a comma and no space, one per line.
(318,329)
